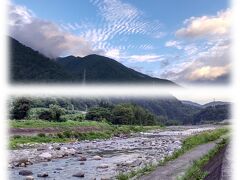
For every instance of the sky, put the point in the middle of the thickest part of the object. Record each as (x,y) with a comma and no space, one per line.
(184,41)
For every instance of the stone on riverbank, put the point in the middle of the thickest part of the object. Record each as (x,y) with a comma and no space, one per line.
(79,174)
(25,172)
(44,174)
(97,157)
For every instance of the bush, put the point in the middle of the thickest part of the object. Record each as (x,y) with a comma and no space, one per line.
(45,115)
(20,108)
(72,117)
(99,113)
(42,135)
(56,112)
(34,113)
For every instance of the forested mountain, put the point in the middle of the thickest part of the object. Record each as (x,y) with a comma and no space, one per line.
(212,114)
(215,103)
(192,104)
(28,65)
(166,110)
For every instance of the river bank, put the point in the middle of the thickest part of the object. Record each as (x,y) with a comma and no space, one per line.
(99,159)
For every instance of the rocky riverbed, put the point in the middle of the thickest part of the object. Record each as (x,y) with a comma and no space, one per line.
(99,159)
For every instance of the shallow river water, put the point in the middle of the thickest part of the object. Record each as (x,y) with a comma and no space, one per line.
(115,155)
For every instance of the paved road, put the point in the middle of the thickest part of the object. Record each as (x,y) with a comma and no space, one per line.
(176,168)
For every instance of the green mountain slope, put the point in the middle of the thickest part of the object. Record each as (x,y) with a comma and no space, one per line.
(95,68)
(28,65)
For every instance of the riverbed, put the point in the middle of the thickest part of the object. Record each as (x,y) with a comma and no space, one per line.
(99,159)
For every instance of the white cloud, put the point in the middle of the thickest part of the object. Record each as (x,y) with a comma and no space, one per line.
(45,36)
(173,43)
(209,65)
(146,58)
(218,25)
(208,73)
(113,53)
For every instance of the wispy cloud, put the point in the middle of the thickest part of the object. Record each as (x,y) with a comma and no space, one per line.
(173,43)
(118,20)
(146,58)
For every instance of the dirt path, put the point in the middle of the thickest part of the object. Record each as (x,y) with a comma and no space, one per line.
(176,168)
(226,165)
(214,166)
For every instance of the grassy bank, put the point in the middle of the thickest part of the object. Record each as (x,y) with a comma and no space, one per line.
(69,134)
(195,140)
(195,171)
(188,144)
(49,124)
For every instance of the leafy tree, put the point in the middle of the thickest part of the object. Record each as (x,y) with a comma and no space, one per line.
(123,114)
(99,113)
(20,108)
(56,112)
(46,115)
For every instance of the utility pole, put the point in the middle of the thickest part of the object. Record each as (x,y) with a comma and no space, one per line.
(84,76)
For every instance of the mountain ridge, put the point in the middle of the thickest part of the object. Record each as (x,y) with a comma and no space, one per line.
(28,65)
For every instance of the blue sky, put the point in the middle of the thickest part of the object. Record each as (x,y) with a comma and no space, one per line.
(155,37)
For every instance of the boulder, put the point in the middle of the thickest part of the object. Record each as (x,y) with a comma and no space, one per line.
(25,172)
(44,174)
(103,166)
(79,174)
(46,156)
(82,158)
(29,178)
(97,157)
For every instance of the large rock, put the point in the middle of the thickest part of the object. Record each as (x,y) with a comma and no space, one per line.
(103,166)
(25,172)
(70,151)
(29,178)
(82,158)
(44,174)
(79,174)
(46,156)
(97,157)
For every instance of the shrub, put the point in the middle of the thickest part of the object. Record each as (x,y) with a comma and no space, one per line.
(41,135)
(56,112)
(20,108)
(72,117)
(45,115)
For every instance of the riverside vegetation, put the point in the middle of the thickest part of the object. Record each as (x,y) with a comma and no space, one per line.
(188,144)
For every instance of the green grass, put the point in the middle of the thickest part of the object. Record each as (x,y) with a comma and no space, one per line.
(17,140)
(139,172)
(195,140)
(188,144)
(69,134)
(195,172)
(47,124)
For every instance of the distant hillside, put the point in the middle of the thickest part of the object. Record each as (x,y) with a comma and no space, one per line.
(215,103)
(167,109)
(95,68)
(28,65)
(212,114)
(192,104)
